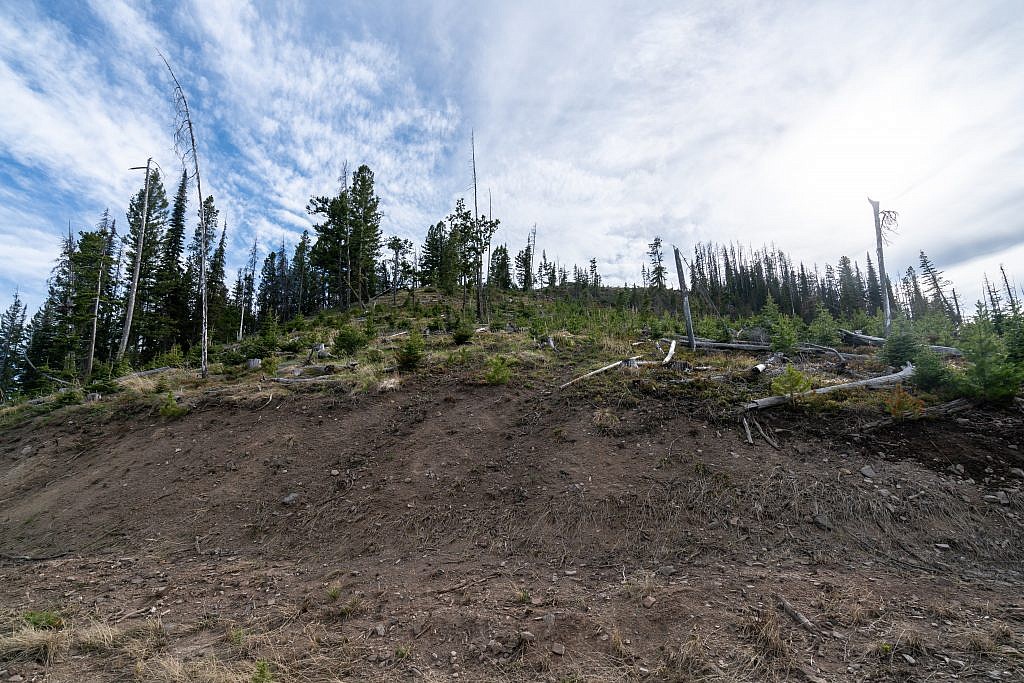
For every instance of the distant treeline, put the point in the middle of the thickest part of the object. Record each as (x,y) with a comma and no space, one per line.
(79,331)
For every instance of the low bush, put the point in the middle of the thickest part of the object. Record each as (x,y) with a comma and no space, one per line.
(410,352)
(791,383)
(170,408)
(498,371)
(348,340)
(900,348)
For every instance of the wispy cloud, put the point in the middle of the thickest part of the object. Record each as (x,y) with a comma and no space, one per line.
(603,123)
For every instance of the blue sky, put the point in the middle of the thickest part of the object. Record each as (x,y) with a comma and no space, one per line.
(604,123)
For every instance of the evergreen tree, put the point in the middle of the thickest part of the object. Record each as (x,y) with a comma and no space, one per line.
(500,276)
(171,290)
(657,275)
(220,319)
(145,329)
(365,234)
(12,346)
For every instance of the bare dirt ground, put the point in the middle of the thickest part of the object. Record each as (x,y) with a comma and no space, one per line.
(451,530)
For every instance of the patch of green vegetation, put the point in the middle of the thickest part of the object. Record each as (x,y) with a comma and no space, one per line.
(43,619)
(410,352)
(170,408)
(498,371)
(791,383)
(348,341)
(262,673)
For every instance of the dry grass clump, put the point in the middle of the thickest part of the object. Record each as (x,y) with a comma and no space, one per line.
(690,662)
(170,669)
(605,418)
(640,585)
(35,644)
(763,630)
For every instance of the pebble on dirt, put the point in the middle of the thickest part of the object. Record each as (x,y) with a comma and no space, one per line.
(558,649)
(290,499)
(869,472)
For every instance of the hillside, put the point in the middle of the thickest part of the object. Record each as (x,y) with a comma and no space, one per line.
(433,525)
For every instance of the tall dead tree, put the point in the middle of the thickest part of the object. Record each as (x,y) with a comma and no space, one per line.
(686,298)
(126,332)
(185,141)
(248,283)
(885,222)
(96,304)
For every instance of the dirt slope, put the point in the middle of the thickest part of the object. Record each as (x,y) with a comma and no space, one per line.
(452,530)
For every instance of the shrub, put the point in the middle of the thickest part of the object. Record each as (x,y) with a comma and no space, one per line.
(784,334)
(712,328)
(931,372)
(68,397)
(170,408)
(791,383)
(1015,341)
(901,405)
(348,340)
(990,374)
(900,348)
(462,333)
(268,365)
(255,347)
(173,358)
(823,329)
(498,371)
(410,352)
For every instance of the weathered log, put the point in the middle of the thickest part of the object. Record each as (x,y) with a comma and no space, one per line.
(772,401)
(600,370)
(868,340)
(253,363)
(671,352)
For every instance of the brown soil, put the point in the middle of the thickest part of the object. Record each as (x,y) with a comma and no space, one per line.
(435,524)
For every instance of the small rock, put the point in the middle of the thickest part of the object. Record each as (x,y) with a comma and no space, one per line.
(649,601)
(527,636)
(869,472)
(335,473)
(942,546)
(1002,498)
(822,522)
(290,499)
(908,659)
(667,570)
(27,450)
(558,649)
(379,630)
(1017,472)
(570,572)
(495,646)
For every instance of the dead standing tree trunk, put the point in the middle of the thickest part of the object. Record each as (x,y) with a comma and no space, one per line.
(686,298)
(185,137)
(890,217)
(136,268)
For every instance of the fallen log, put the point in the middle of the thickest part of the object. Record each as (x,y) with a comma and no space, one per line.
(671,352)
(761,346)
(144,373)
(771,401)
(943,409)
(868,340)
(606,368)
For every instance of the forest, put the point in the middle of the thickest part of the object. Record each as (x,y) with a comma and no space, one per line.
(83,333)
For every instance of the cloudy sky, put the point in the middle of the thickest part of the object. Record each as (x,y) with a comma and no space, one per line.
(603,123)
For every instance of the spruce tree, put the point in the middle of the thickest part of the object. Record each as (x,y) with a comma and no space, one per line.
(171,291)
(12,346)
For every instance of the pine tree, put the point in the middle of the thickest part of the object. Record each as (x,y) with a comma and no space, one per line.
(171,290)
(657,275)
(365,234)
(500,276)
(874,289)
(142,337)
(12,346)
(936,285)
(219,315)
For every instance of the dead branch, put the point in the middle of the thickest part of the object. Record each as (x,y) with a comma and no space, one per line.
(671,352)
(606,368)
(884,380)
(796,616)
